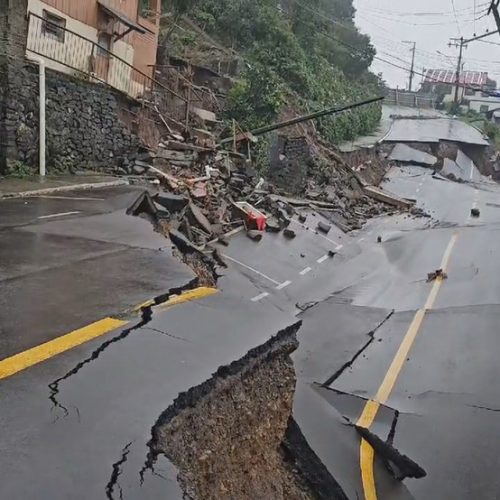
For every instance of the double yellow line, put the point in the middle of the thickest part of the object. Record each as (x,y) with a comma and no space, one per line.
(14,364)
(370,410)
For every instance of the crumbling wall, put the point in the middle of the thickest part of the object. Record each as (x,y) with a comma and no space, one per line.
(290,157)
(84,129)
(226,436)
(369,163)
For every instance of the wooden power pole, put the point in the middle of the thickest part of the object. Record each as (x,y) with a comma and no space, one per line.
(458,42)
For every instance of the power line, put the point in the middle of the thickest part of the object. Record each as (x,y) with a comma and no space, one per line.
(360,52)
(410,23)
(487,41)
(464,11)
(456,17)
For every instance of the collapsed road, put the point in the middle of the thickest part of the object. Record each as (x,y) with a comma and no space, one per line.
(314,351)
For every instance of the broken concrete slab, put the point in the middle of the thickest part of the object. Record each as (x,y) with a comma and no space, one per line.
(172,202)
(469,169)
(385,196)
(143,204)
(406,154)
(452,170)
(399,465)
(200,218)
(434,131)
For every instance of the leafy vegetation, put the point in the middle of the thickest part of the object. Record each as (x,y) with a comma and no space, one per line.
(493,133)
(306,52)
(19,170)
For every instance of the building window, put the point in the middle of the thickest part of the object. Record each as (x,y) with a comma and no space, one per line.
(148,8)
(484,108)
(469,92)
(53,26)
(103,44)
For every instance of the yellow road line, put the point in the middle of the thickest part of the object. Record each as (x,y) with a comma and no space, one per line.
(370,410)
(23,360)
(18,362)
(197,293)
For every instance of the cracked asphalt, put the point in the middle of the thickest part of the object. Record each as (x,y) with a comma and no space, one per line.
(77,425)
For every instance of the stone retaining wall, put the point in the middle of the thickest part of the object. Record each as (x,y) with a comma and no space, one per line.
(84,128)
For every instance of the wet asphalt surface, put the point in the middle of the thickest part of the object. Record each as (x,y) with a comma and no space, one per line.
(91,264)
(87,438)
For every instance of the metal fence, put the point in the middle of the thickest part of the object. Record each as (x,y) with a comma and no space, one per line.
(73,53)
(410,99)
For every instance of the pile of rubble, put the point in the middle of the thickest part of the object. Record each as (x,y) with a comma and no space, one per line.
(206,192)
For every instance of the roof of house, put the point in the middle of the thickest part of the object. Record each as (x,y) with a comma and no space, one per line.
(449,76)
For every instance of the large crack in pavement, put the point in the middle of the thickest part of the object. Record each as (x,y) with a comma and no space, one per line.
(146,316)
(348,364)
(233,436)
(117,471)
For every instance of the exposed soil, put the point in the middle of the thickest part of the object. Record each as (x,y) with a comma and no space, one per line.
(228,443)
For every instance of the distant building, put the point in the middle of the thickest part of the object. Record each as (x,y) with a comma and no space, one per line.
(112,41)
(442,83)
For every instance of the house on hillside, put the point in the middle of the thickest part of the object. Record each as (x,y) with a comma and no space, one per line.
(109,41)
(474,86)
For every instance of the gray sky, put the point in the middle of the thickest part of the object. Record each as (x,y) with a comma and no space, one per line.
(388,23)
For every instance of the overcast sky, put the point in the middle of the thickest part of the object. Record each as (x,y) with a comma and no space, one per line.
(390,22)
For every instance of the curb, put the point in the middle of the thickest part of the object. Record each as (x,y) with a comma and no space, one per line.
(62,189)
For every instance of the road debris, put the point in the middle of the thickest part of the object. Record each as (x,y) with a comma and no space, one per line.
(254,235)
(379,239)
(438,273)
(399,465)
(324,228)
(205,192)
(475,212)
(402,153)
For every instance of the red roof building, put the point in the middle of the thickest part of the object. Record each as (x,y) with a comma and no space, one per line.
(447,76)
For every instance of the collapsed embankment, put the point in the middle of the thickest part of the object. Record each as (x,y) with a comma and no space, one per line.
(233,436)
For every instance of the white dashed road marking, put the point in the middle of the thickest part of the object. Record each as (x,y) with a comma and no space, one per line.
(283,285)
(305,271)
(62,214)
(259,297)
(322,259)
(71,198)
(252,269)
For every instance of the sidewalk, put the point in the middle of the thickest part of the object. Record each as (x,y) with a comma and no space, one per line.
(11,187)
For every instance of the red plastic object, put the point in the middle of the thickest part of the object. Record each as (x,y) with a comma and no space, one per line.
(258,219)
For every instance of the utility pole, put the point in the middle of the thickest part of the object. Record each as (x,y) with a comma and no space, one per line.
(412,70)
(458,42)
(494,9)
